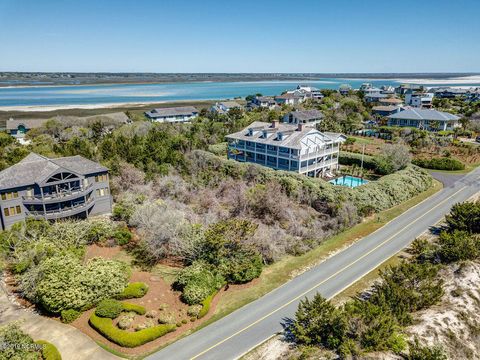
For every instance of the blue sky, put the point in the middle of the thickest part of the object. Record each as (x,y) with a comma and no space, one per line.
(240,36)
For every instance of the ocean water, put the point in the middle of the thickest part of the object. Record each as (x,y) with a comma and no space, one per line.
(147,93)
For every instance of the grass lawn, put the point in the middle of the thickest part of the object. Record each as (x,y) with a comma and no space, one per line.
(277,274)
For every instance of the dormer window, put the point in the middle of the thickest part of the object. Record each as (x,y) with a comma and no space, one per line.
(280,136)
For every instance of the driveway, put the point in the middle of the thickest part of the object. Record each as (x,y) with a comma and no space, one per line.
(72,343)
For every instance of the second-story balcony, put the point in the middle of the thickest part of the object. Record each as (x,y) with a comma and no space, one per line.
(63,212)
(58,196)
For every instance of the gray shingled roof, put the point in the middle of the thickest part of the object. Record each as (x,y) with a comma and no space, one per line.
(307,114)
(292,136)
(35,168)
(13,124)
(230,104)
(172,111)
(424,114)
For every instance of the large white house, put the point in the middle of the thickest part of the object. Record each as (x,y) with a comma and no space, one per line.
(427,119)
(173,114)
(419,99)
(299,148)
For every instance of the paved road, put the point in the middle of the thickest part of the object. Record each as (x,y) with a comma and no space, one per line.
(242,330)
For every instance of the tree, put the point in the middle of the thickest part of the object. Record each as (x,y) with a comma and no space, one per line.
(318,322)
(458,246)
(465,217)
(392,158)
(465,122)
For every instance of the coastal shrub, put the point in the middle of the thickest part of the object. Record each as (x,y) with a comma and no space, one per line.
(458,246)
(445,163)
(139,309)
(16,345)
(125,338)
(418,352)
(70,315)
(318,322)
(226,250)
(49,351)
(206,306)
(392,157)
(197,282)
(348,158)
(133,290)
(194,310)
(464,217)
(388,191)
(66,283)
(167,318)
(122,236)
(125,320)
(109,308)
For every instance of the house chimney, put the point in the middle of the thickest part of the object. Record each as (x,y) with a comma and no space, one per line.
(275,124)
(300,126)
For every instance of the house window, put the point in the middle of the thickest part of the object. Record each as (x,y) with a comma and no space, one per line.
(102,192)
(6,212)
(101,178)
(19,209)
(10,195)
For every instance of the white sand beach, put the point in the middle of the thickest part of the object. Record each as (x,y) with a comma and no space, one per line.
(475,79)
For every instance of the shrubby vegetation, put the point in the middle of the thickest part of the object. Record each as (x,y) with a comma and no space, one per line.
(126,338)
(133,290)
(47,260)
(444,163)
(374,321)
(16,345)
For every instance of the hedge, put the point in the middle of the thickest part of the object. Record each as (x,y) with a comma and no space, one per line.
(49,351)
(439,163)
(139,309)
(133,290)
(70,315)
(125,338)
(109,308)
(348,158)
(206,306)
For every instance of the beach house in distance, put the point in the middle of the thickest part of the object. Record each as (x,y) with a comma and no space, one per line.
(53,189)
(172,114)
(299,148)
(427,119)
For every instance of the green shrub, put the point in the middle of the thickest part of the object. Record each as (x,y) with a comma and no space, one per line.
(126,338)
(206,306)
(464,217)
(66,283)
(348,158)
(318,322)
(167,318)
(133,290)
(458,246)
(226,250)
(419,352)
(70,315)
(49,351)
(445,163)
(139,309)
(109,308)
(122,236)
(16,345)
(194,310)
(197,282)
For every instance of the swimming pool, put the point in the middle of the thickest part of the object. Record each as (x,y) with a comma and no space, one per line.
(350,181)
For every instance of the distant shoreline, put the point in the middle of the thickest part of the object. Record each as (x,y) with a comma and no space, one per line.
(19,80)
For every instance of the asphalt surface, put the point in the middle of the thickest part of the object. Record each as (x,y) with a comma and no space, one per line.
(239,332)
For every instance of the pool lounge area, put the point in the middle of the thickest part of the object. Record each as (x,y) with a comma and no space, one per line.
(350,181)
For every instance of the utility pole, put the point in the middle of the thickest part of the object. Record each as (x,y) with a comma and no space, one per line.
(361,165)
